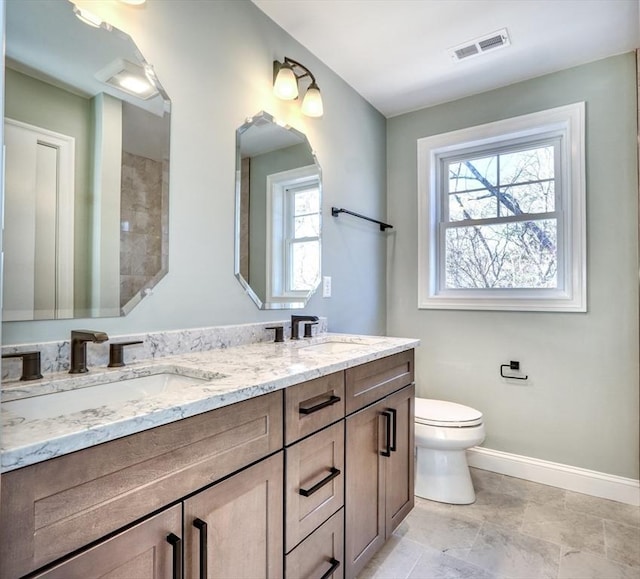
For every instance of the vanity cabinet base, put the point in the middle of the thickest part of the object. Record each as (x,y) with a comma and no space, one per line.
(58,506)
(239,500)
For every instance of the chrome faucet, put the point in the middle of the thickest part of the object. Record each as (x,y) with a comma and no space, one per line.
(79,339)
(295,320)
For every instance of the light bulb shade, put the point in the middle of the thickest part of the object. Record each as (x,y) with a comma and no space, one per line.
(286,83)
(312,102)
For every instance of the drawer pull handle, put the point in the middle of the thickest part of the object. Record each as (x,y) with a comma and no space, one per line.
(176,543)
(394,439)
(334,472)
(387,451)
(202,527)
(334,565)
(329,402)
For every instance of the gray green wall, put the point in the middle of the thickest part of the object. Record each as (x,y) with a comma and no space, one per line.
(215,60)
(580,405)
(38,103)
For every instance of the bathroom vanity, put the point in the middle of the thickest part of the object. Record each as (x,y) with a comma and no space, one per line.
(295,461)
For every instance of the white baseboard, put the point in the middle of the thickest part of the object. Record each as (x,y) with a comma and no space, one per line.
(580,480)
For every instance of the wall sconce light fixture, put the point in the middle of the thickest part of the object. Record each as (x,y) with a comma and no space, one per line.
(285,85)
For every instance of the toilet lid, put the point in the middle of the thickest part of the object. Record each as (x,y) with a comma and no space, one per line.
(442,413)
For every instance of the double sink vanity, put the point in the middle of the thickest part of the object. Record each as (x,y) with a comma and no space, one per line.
(213,453)
(290,459)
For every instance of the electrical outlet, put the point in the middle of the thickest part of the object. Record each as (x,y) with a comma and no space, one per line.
(326,286)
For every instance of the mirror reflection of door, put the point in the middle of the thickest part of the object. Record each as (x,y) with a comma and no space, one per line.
(38,232)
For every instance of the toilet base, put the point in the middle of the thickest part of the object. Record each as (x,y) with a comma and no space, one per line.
(443,476)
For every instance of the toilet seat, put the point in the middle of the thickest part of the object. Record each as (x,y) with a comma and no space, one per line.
(446,414)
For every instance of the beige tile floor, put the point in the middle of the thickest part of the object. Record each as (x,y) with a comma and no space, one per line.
(515,529)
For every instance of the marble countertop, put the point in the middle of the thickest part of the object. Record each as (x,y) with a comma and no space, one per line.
(226,376)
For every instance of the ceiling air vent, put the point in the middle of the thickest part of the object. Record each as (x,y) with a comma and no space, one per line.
(480,45)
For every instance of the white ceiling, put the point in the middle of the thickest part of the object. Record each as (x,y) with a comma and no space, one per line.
(395,52)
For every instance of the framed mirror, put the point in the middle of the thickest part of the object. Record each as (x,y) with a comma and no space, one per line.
(278,214)
(87,167)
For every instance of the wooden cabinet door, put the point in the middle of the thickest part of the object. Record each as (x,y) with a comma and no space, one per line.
(234,529)
(364,486)
(399,467)
(149,550)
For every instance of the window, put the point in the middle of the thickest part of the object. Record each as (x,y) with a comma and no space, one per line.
(302,255)
(502,215)
(293,234)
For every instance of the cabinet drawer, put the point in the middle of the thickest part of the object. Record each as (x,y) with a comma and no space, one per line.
(313,405)
(319,553)
(314,483)
(60,505)
(374,380)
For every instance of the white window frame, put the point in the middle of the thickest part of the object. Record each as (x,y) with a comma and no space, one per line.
(279,220)
(565,123)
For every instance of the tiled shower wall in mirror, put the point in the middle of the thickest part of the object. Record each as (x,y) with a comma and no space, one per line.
(144,191)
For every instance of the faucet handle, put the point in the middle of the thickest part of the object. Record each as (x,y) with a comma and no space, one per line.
(116,353)
(308,327)
(279,332)
(30,364)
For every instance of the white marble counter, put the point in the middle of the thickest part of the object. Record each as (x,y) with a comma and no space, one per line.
(230,374)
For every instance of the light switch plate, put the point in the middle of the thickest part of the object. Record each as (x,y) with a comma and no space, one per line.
(326,286)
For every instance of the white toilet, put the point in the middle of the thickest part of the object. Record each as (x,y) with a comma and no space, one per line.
(444,431)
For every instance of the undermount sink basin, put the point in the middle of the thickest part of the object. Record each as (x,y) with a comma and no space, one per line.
(93,396)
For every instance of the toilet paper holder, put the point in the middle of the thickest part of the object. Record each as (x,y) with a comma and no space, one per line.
(512,365)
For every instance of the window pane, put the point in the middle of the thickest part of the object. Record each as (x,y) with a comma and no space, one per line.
(529,165)
(305,265)
(509,255)
(476,205)
(472,174)
(530,198)
(307,201)
(307,226)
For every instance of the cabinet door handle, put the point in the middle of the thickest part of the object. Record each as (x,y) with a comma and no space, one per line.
(334,565)
(202,527)
(394,439)
(333,473)
(176,543)
(387,451)
(329,402)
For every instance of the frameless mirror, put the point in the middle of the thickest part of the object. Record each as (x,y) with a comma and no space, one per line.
(278,218)
(87,167)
